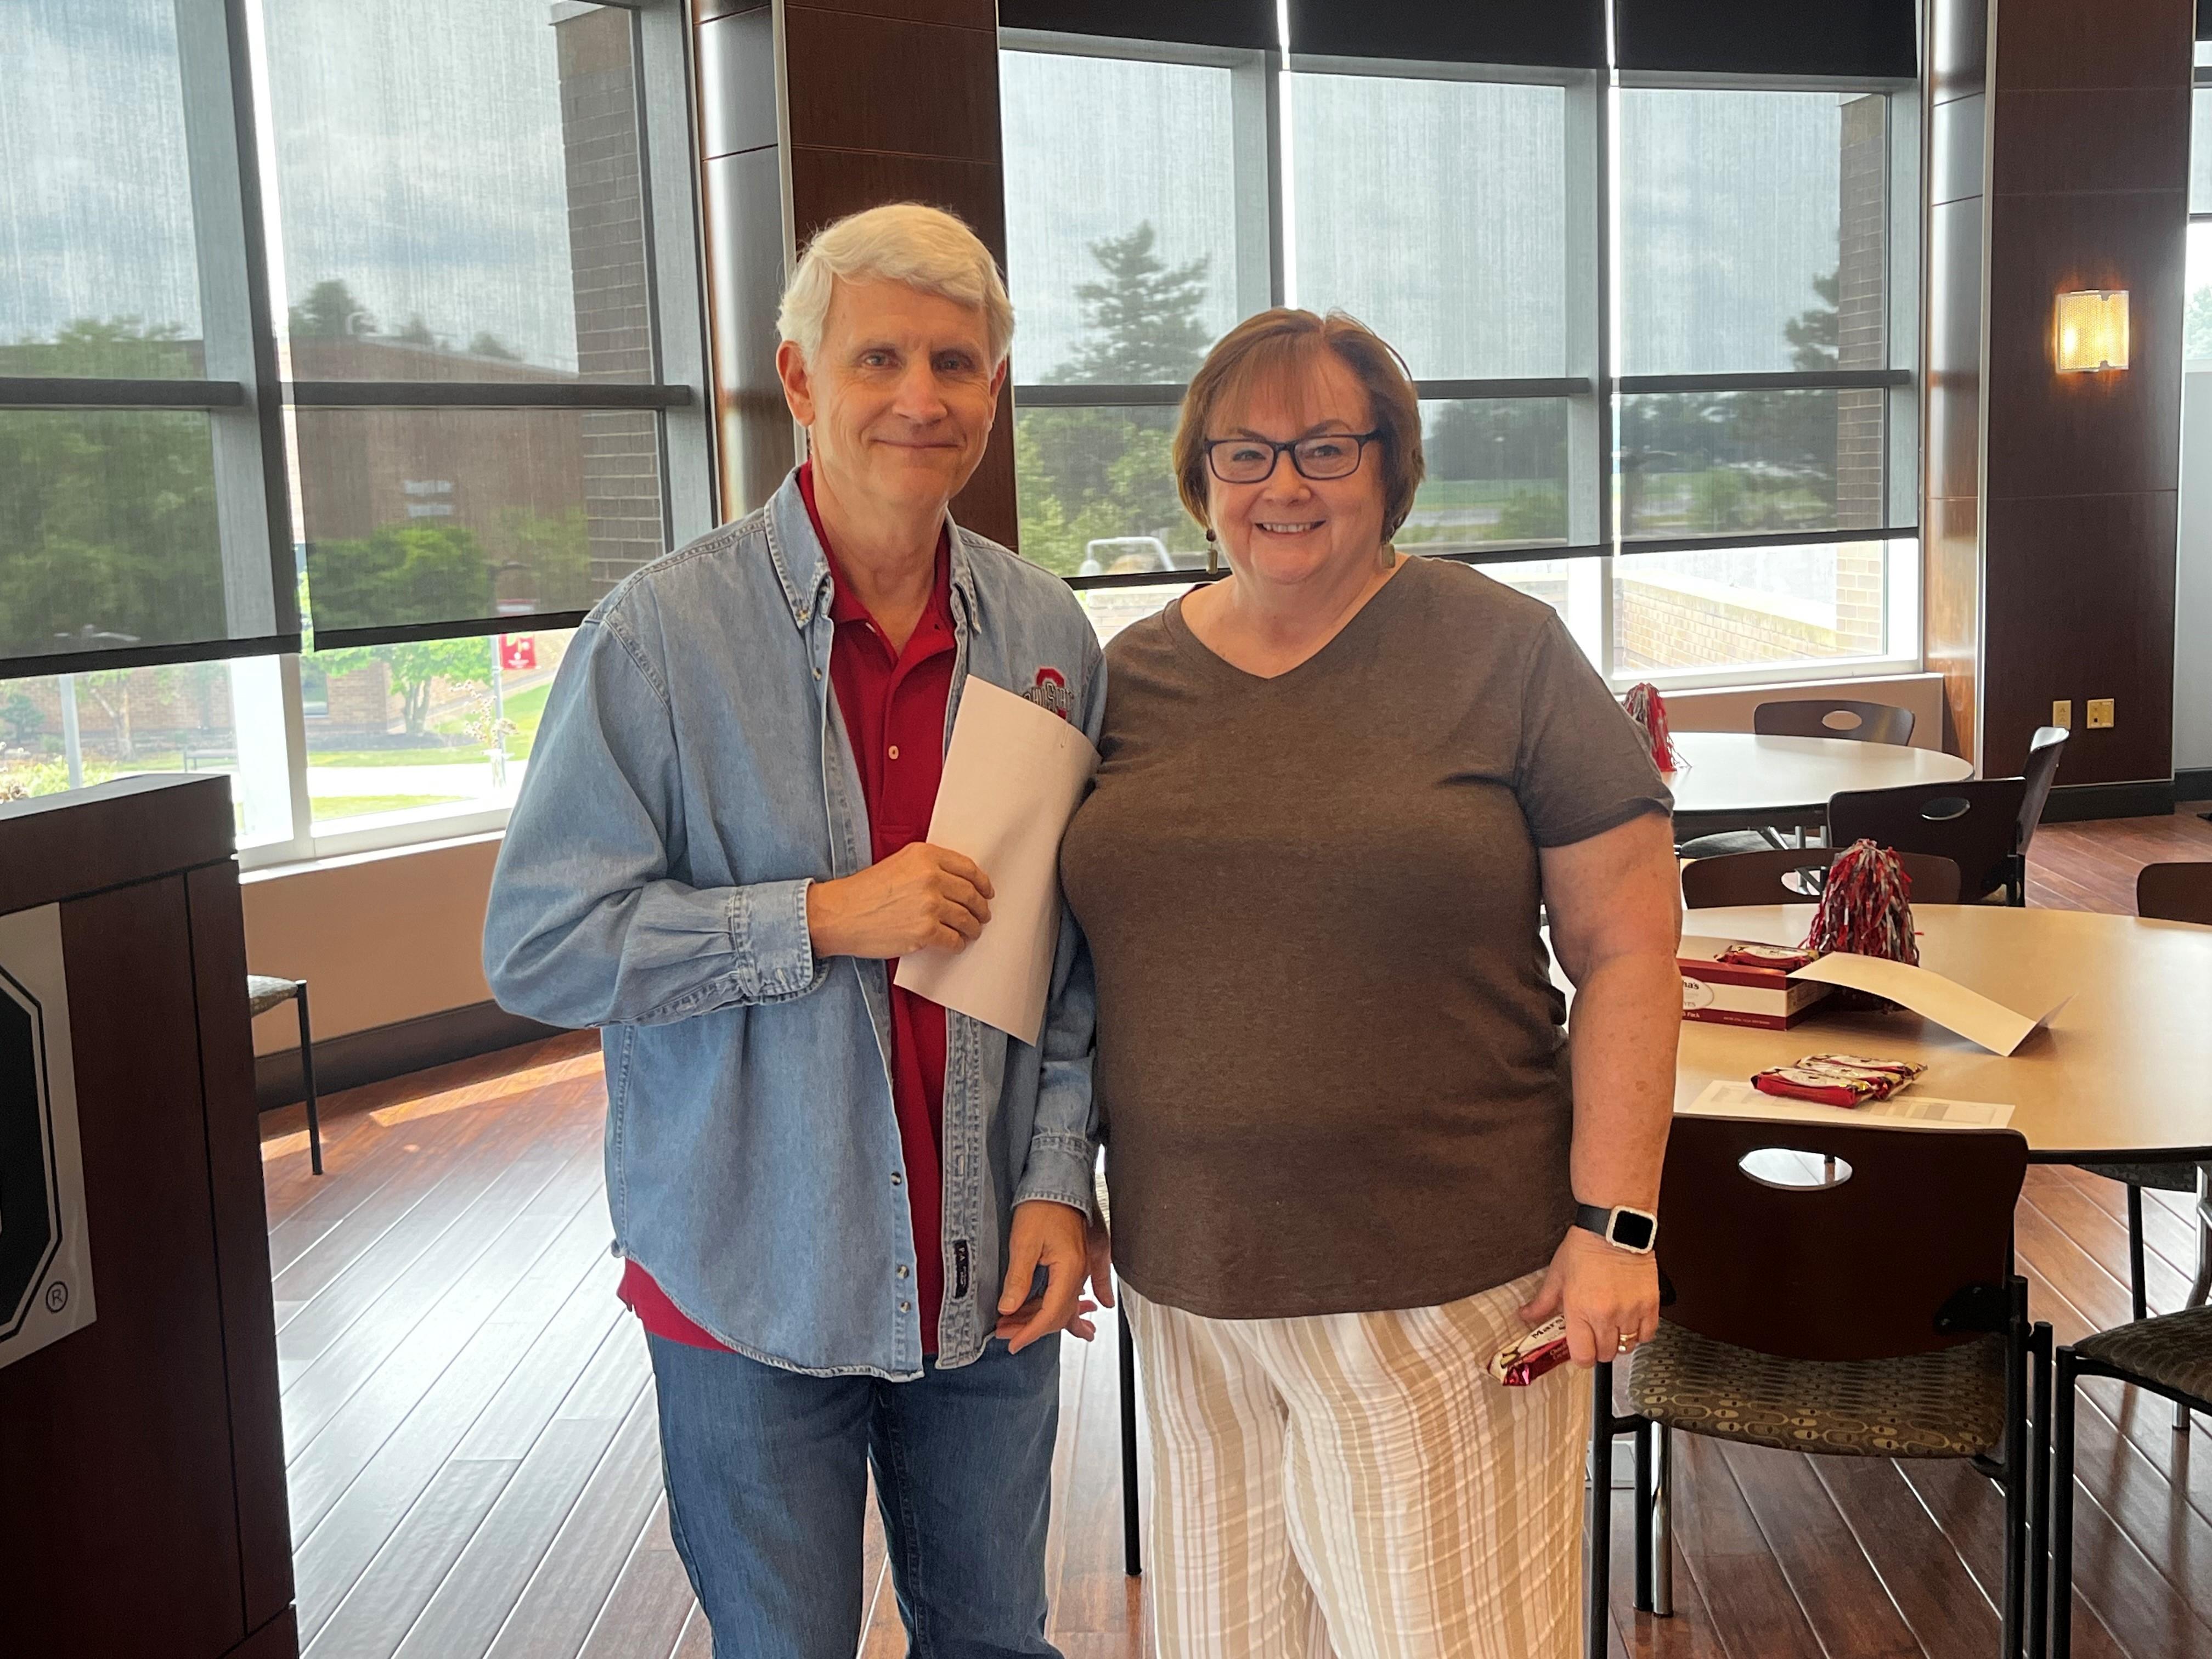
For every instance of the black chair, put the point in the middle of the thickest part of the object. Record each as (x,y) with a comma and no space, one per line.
(1805,717)
(1869,1312)
(1763,877)
(265,991)
(2172,1355)
(1833,717)
(1133,1555)
(2045,751)
(2168,892)
(1975,824)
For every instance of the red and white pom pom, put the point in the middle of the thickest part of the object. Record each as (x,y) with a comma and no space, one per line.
(1649,710)
(1866,907)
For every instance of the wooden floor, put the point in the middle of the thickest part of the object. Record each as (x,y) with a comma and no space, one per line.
(474,1468)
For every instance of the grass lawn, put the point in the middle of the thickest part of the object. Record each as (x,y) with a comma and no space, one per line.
(458,755)
(360,806)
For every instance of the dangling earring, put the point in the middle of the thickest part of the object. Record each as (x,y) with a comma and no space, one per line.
(1213,552)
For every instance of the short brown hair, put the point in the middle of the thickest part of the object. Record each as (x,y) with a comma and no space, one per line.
(1277,348)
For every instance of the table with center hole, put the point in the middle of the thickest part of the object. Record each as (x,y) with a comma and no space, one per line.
(1737,779)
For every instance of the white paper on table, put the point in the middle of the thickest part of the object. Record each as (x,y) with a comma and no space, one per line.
(1907,1111)
(1013,776)
(1974,1016)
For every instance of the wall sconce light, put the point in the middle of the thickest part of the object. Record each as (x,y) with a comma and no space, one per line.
(2093,330)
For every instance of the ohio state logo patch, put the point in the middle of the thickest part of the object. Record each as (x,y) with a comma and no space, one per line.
(1050,692)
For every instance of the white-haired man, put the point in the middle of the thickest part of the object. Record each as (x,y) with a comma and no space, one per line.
(837,1202)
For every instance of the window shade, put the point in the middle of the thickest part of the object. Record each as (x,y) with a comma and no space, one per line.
(1872,37)
(1564,33)
(1186,22)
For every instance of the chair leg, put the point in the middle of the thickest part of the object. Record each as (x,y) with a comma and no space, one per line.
(1597,1616)
(1643,1518)
(2200,1290)
(2135,1251)
(1656,1532)
(2015,1499)
(2039,1512)
(1132,1560)
(2062,1507)
(308,1079)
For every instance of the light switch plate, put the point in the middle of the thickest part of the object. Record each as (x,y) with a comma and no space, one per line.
(2062,712)
(2100,713)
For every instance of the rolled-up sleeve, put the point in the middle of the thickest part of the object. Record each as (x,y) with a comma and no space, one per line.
(586,925)
(1064,1140)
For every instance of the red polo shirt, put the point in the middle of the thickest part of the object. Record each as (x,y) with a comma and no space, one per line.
(893,704)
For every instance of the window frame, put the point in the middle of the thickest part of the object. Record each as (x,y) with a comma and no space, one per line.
(662,48)
(239,395)
(1594,547)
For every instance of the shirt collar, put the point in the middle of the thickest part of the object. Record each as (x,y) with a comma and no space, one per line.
(804,571)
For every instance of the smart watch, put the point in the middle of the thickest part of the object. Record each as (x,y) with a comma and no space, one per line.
(1622,1227)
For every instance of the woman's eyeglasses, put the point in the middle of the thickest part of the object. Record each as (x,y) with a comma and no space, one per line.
(1252,460)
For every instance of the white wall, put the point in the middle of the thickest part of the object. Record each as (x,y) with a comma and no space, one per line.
(2192,597)
(1728,709)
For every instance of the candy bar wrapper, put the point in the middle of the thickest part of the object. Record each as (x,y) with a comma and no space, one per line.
(1903,1071)
(1522,1361)
(1782,959)
(1825,1088)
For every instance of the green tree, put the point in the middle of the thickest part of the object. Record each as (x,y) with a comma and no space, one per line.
(329,311)
(415,332)
(484,345)
(400,573)
(1142,316)
(22,718)
(416,668)
(1083,474)
(1814,335)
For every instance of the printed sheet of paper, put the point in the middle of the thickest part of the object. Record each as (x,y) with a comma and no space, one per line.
(1907,1111)
(1997,1028)
(1013,776)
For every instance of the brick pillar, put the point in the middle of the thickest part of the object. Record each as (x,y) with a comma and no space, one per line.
(614,318)
(1862,281)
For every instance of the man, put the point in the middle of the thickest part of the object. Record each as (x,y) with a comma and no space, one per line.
(818,1179)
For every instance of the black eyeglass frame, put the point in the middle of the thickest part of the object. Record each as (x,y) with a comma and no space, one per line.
(1361,439)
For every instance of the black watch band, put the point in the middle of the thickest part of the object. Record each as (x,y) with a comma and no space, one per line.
(1622,1227)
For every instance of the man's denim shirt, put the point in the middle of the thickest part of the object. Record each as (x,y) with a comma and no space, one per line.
(691,776)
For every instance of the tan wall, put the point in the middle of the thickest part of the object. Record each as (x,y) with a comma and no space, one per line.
(1728,708)
(378,938)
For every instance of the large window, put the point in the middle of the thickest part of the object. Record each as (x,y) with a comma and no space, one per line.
(401,385)
(1667,384)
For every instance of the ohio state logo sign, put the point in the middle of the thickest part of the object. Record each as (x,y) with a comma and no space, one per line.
(46,1264)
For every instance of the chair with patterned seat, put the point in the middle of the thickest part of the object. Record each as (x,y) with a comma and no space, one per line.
(2168,892)
(1844,1292)
(2171,1355)
(265,991)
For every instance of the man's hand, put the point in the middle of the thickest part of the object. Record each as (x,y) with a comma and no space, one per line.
(920,897)
(1051,1235)
(1606,1291)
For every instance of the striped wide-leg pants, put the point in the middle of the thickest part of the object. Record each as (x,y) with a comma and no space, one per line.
(1356,1485)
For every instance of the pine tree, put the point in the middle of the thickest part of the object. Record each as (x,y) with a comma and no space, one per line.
(1142,317)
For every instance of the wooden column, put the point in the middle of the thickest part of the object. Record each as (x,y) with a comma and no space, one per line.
(2087,179)
(1955,86)
(853,103)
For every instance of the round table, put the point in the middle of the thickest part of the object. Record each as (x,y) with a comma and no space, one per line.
(2122,1074)
(1736,779)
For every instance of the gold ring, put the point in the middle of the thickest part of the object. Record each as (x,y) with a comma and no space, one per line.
(1624,1344)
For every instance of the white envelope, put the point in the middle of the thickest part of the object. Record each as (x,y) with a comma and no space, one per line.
(1991,1025)
(1013,776)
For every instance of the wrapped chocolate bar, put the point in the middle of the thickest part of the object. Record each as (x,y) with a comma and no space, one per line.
(1902,1071)
(1782,959)
(1522,1361)
(1838,1079)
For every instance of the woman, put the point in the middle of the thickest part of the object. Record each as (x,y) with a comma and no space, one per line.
(1343,1149)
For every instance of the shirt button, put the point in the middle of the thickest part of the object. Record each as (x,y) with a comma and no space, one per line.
(897,1180)
(901,1272)
(906,1307)
(894,751)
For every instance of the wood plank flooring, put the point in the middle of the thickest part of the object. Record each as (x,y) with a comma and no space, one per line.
(475,1473)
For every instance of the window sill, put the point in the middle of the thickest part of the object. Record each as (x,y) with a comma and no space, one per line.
(251,872)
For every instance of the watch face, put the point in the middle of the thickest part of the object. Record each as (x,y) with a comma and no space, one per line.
(1632,1231)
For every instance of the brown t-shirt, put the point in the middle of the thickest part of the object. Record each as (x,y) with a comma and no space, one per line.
(1332,1066)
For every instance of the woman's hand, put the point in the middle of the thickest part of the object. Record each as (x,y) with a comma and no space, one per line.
(1606,1292)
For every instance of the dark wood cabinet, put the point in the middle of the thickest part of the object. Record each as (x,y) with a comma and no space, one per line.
(142,1456)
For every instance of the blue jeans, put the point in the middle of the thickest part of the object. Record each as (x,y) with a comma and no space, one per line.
(767,1476)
